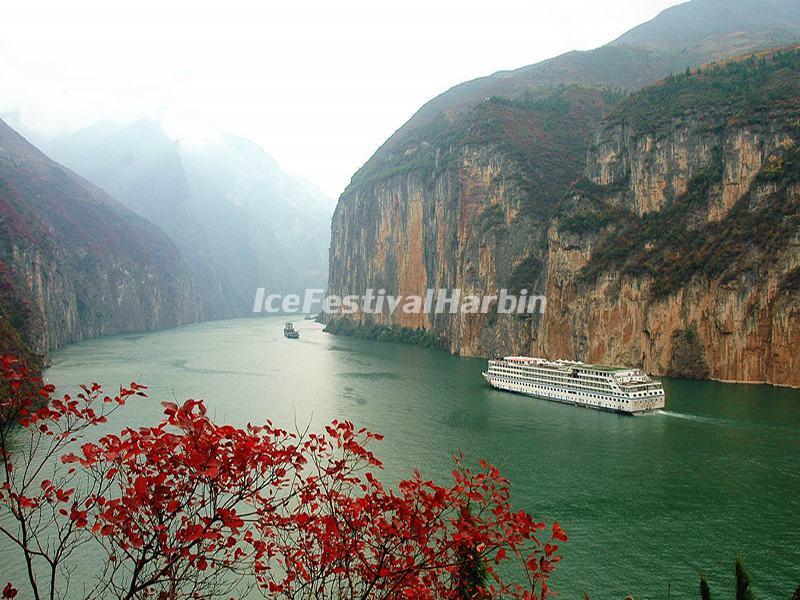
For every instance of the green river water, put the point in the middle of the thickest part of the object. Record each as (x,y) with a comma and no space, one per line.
(648,501)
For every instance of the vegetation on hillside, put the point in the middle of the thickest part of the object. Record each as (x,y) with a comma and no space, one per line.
(677,243)
(682,36)
(740,91)
(671,249)
(546,135)
(587,209)
(386,333)
(526,275)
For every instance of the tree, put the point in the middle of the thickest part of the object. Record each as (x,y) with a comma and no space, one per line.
(40,511)
(470,578)
(743,591)
(191,508)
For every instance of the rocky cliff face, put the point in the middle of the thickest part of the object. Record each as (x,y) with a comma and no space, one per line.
(694,272)
(471,215)
(74,263)
(678,249)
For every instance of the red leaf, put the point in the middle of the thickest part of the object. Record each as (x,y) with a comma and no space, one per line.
(558,533)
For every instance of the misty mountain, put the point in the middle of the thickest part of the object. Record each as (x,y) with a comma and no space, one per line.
(74,262)
(690,34)
(294,212)
(705,30)
(239,221)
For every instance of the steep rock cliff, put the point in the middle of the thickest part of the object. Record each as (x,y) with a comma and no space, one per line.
(680,252)
(677,249)
(471,214)
(74,263)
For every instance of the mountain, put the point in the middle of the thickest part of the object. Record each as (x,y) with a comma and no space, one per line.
(696,30)
(142,168)
(679,249)
(469,193)
(239,221)
(75,263)
(294,212)
(689,34)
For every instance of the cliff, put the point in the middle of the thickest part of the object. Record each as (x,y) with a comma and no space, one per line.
(74,263)
(676,250)
(680,251)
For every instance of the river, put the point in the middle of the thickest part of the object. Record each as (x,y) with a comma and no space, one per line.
(648,501)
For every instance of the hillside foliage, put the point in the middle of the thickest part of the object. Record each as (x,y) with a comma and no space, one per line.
(720,94)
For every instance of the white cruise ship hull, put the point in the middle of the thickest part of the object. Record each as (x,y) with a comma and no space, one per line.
(577,384)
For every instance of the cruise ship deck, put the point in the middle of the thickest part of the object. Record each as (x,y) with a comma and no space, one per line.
(619,389)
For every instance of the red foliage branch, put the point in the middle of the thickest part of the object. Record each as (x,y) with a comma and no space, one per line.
(191,508)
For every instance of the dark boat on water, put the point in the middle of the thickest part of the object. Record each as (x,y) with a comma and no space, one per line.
(290,332)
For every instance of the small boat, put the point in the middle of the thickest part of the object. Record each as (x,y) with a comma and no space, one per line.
(290,332)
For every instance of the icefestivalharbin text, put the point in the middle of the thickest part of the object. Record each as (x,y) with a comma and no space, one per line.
(438,301)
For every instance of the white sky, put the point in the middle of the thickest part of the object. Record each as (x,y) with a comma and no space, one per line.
(318,84)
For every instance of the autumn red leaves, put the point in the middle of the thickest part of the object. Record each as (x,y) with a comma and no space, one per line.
(191,508)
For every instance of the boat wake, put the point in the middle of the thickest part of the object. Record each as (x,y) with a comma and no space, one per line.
(669,413)
(696,418)
(736,424)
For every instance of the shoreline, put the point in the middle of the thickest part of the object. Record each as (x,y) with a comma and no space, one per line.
(405,335)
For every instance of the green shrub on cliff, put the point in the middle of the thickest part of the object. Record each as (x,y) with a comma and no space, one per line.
(675,244)
(547,135)
(385,333)
(491,218)
(741,90)
(526,275)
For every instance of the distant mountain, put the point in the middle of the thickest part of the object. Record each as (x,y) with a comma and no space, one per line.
(75,263)
(239,221)
(282,208)
(142,168)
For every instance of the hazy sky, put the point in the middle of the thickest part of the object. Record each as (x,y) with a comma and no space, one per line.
(319,85)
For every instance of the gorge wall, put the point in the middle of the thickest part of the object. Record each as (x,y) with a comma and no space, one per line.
(76,264)
(681,283)
(677,249)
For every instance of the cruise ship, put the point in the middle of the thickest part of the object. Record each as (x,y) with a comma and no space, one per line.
(616,389)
